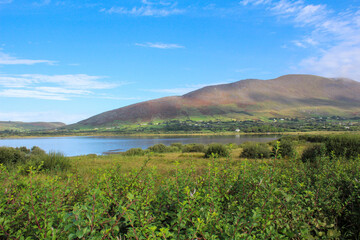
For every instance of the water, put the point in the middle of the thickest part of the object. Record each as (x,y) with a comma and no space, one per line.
(74,146)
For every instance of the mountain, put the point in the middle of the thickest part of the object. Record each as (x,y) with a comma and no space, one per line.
(21,126)
(286,96)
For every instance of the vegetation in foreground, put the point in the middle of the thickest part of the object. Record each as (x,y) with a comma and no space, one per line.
(177,194)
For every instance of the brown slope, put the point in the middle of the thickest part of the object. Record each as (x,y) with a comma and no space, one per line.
(283,94)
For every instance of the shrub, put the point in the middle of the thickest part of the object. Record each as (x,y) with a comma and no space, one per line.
(177,145)
(161,148)
(346,145)
(37,151)
(55,161)
(217,149)
(285,148)
(193,147)
(255,150)
(134,152)
(158,148)
(10,156)
(24,150)
(313,152)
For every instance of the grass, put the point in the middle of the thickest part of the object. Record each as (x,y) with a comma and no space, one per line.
(163,162)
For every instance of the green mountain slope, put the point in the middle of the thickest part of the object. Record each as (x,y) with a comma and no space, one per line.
(286,96)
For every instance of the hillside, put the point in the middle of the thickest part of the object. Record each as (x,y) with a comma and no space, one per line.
(26,126)
(286,96)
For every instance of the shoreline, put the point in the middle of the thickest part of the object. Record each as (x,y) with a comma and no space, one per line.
(176,134)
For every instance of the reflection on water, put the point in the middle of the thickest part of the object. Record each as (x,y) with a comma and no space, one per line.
(73,146)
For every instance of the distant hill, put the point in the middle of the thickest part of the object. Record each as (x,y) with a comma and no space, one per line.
(286,96)
(23,126)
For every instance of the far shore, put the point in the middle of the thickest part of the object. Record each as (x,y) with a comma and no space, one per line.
(111,134)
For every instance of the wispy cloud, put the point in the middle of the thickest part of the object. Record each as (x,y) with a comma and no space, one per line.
(23,93)
(159,45)
(335,36)
(42,3)
(186,89)
(148,8)
(6,59)
(48,116)
(52,87)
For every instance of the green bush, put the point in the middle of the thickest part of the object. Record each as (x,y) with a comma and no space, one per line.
(24,150)
(55,161)
(162,148)
(284,148)
(11,156)
(179,146)
(218,150)
(37,151)
(134,152)
(346,145)
(193,147)
(313,152)
(255,150)
(158,148)
(34,158)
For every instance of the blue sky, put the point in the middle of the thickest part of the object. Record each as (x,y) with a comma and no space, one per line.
(66,60)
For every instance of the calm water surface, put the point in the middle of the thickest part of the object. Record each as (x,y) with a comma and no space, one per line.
(73,146)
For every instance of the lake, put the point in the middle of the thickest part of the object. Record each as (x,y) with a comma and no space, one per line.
(74,146)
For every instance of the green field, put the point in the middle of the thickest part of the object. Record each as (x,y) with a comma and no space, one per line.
(174,192)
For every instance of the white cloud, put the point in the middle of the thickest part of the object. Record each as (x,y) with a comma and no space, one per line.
(6,59)
(177,91)
(23,93)
(255,2)
(335,36)
(339,61)
(159,45)
(52,87)
(145,11)
(48,116)
(148,8)
(186,89)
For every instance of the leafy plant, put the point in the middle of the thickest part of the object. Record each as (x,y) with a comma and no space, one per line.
(313,152)
(194,147)
(134,152)
(255,150)
(218,150)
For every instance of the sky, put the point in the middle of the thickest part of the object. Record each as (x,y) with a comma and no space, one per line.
(67,60)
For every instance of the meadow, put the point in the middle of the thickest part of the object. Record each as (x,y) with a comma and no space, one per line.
(300,187)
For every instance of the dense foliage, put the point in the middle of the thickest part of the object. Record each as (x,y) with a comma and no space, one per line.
(134,152)
(275,198)
(284,148)
(217,150)
(258,200)
(162,148)
(255,150)
(313,152)
(194,147)
(23,159)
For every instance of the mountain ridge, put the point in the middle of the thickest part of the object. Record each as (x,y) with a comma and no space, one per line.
(285,96)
